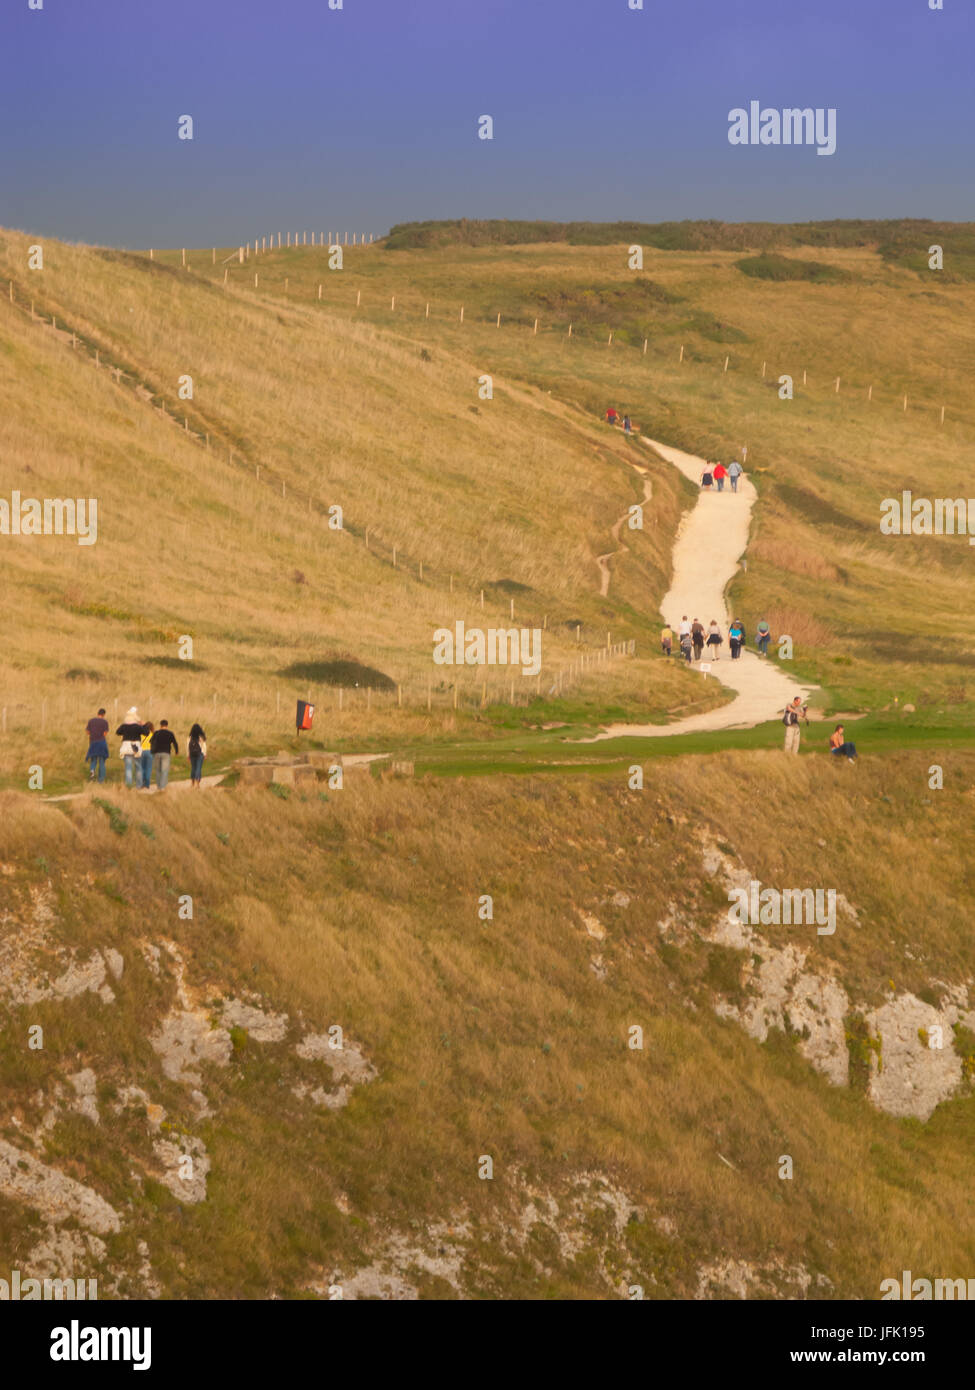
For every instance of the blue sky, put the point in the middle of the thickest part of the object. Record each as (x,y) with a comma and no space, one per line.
(310,118)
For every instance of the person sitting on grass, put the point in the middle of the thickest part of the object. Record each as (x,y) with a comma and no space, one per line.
(838,744)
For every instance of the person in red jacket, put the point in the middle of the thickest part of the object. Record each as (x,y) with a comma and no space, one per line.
(720,473)
(611,416)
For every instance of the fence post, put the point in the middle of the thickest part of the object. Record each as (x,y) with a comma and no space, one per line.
(681,352)
(427,314)
(942,414)
(394,557)
(462,313)
(399,696)
(570,331)
(905,402)
(482,598)
(358,297)
(535,329)
(837,386)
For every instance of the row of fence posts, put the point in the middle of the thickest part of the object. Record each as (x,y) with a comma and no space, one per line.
(345,697)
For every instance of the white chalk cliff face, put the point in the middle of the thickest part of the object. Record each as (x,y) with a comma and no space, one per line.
(913,1064)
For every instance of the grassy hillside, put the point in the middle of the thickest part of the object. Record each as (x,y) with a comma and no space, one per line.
(187,956)
(506,1038)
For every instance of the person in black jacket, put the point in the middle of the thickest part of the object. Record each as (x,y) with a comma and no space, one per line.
(163,746)
(131,747)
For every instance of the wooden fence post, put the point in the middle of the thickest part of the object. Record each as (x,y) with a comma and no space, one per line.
(681,352)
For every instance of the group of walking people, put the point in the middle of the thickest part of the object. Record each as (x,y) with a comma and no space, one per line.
(692,639)
(146,750)
(613,417)
(714,475)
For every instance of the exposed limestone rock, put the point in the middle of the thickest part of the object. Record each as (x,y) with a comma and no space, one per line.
(910,1077)
(260,1026)
(115,962)
(593,925)
(184,1040)
(62,1254)
(25,1179)
(185,1166)
(739,1279)
(85,1102)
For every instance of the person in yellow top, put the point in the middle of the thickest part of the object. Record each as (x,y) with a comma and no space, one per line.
(667,639)
(147,756)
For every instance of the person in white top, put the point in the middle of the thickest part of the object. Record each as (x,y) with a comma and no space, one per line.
(685,626)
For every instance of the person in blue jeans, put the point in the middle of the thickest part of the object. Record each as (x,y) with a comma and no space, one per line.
(734,473)
(131,749)
(838,744)
(197,751)
(147,755)
(763,637)
(163,746)
(97,755)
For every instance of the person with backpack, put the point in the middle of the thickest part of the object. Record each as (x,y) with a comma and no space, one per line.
(839,745)
(736,639)
(146,742)
(714,640)
(130,749)
(735,471)
(163,746)
(791,715)
(667,639)
(627,425)
(762,637)
(97,755)
(706,478)
(720,473)
(697,637)
(197,750)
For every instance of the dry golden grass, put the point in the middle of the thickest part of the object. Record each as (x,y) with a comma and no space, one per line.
(496,1036)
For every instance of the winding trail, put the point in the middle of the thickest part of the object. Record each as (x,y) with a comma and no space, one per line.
(602,561)
(711,540)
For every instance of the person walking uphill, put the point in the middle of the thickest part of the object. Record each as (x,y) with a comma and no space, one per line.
(130,748)
(720,473)
(197,751)
(96,729)
(790,718)
(714,640)
(147,755)
(736,639)
(163,746)
(667,639)
(735,471)
(697,637)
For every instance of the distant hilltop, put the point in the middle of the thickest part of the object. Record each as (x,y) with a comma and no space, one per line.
(894,239)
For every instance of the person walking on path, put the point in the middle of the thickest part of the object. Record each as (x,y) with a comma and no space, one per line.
(197,751)
(706,477)
(714,640)
(736,638)
(790,718)
(734,473)
(147,755)
(685,627)
(667,639)
(611,416)
(130,748)
(163,746)
(97,755)
(720,473)
(839,745)
(627,425)
(697,637)
(763,637)
(685,646)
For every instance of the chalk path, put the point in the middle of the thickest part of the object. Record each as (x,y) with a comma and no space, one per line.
(711,540)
